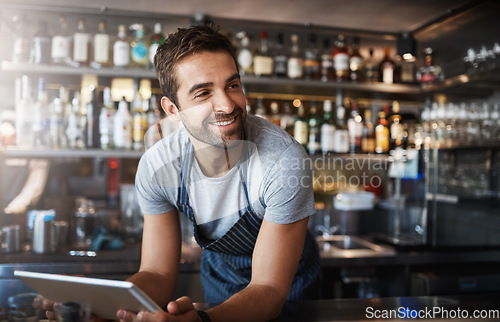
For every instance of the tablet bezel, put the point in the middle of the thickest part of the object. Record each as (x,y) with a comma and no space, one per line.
(104,296)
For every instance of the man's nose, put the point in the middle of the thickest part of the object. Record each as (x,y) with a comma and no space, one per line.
(222,103)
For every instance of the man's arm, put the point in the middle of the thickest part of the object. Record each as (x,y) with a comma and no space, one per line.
(160,258)
(275,259)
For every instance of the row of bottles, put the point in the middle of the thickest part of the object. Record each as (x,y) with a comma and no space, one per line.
(61,123)
(338,64)
(482,60)
(331,130)
(85,48)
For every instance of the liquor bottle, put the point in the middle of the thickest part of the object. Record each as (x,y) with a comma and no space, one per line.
(40,126)
(341,60)
(56,125)
(275,116)
(139,123)
(153,117)
(74,129)
(121,49)
(368,137)
(245,57)
(313,126)
(260,108)
(280,59)
(341,135)
(327,71)
(122,126)
(106,120)
(21,44)
(387,68)
(396,129)
(356,62)
(24,114)
(355,129)
(81,45)
(382,133)
(61,45)
(40,51)
(371,69)
(295,61)
(300,130)
(156,40)
(287,118)
(327,129)
(93,112)
(312,64)
(407,72)
(139,50)
(102,46)
(429,73)
(262,60)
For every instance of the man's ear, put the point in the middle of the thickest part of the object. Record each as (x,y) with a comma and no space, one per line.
(170,108)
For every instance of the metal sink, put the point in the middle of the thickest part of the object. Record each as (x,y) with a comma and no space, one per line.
(351,246)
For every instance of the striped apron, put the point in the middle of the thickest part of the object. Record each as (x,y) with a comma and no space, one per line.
(226,263)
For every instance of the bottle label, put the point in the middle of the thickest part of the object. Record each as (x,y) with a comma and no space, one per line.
(245,59)
(341,62)
(295,67)
(81,47)
(327,133)
(121,54)
(280,65)
(300,132)
(262,65)
(341,141)
(387,73)
(101,48)
(356,63)
(60,47)
(140,54)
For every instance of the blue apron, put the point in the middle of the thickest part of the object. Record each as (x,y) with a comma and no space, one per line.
(226,263)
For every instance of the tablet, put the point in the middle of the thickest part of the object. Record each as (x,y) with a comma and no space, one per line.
(104,296)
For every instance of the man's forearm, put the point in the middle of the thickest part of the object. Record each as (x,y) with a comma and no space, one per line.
(160,288)
(254,303)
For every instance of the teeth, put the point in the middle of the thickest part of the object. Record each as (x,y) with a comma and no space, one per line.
(224,122)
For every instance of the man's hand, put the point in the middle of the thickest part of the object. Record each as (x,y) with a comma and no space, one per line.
(180,310)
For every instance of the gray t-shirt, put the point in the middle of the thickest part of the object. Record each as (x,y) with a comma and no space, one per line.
(278,179)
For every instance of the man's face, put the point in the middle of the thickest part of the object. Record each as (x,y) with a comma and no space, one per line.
(210,98)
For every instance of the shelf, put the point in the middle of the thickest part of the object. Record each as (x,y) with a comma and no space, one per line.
(17,152)
(25,68)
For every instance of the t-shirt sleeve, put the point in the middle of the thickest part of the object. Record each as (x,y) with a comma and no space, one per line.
(288,191)
(152,185)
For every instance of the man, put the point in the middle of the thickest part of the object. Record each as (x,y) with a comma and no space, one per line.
(238,178)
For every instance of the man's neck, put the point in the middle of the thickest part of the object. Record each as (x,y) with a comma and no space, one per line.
(216,161)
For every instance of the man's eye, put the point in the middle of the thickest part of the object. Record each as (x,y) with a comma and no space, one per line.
(236,85)
(202,94)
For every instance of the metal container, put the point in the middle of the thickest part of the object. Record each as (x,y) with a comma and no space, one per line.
(10,239)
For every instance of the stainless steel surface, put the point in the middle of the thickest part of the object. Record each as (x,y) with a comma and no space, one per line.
(352,247)
(10,239)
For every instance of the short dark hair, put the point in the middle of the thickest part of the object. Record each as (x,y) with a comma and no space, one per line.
(182,43)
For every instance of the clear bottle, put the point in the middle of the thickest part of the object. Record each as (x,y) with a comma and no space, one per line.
(74,129)
(106,120)
(61,45)
(341,135)
(82,46)
(156,40)
(122,126)
(355,129)
(280,59)
(102,47)
(40,51)
(327,71)
(341,60)
(262,60)
(356,62)
(139,49)
(327,128)
(56,127)
(139,124)
(121,49)
(312,64)
(153,117)
(429,73)
(275,116)
(295,61)
(313,126)
(387,68)
(41,121)
(300,127)
(245,57)
(371,69)
(368,137)
(24,114)
(21,44)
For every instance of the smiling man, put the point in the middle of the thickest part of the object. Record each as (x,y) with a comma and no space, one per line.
(230,173)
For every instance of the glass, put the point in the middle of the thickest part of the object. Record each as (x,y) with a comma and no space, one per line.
(25,307)
(72,312)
